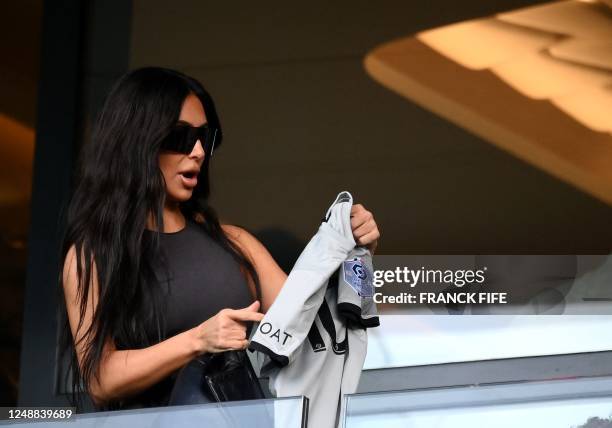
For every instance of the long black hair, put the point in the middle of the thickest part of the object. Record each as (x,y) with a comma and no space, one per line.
(118,185)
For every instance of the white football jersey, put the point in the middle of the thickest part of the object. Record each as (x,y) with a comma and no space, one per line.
(314,336)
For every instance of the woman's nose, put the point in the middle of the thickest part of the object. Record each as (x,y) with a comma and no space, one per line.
(198,150)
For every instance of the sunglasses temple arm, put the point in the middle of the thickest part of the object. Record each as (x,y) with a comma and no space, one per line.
(214,138)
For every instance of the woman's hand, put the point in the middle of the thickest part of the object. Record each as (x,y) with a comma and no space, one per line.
(365,230)
(226,330)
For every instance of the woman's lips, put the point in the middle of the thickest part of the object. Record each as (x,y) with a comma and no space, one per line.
(189,182)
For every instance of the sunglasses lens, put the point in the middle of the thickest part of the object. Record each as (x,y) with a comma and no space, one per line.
(182,139)
(178,140)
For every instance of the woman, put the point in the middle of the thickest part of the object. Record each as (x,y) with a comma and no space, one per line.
(158,279)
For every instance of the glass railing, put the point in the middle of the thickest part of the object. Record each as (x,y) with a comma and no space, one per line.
(267,413)
(415,340)
(575,403)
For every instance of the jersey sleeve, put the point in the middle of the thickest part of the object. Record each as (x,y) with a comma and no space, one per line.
(287,322)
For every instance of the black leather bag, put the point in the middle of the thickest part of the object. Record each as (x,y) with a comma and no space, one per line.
(216,377)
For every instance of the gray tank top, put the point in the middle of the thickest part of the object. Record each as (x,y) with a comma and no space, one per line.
(202,279)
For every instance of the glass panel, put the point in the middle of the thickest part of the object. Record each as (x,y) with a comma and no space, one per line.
(274,413)
(403,340)
(558,403)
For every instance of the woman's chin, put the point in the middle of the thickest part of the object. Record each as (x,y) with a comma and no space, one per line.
(181,196)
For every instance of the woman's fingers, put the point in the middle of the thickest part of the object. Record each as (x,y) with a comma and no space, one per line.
(360,218)
(368,237)
(247,314)
(239,344)
(237,334)
(365,228)
(359,215)
(231,345)
(231,342)
(253,307)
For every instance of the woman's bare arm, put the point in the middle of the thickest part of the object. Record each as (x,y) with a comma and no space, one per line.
(271,276)
(126,372)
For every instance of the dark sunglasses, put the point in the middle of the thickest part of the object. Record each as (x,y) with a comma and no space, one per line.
(183,138)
